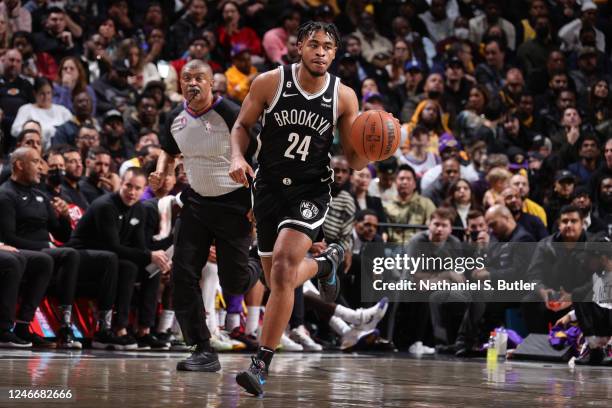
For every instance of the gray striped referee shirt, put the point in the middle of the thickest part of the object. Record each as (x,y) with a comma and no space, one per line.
(204,141)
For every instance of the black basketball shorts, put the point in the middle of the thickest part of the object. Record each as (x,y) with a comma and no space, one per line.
(302,208)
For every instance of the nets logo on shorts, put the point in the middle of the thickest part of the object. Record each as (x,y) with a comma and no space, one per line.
(308,210)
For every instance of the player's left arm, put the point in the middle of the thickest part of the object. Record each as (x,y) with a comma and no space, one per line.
(348,110)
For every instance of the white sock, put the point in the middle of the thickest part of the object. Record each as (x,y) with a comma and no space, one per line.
(232,320)
(208,283)
(165,321)
(252,322)
(348,315)
(338,325)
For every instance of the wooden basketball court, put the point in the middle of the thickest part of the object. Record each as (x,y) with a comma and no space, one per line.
(148,379)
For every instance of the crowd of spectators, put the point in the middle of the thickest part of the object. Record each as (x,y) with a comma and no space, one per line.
(506,117)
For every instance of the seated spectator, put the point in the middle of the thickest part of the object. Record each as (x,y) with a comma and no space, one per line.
(429,115)
(146,154)
(116,223)
(56,39)
(191,25)
(588,72)
(595,317)
(492,17)
(15,91)
(456,87)
(108,38)
(338,223)
(114,138)
(459,197)
(99,179)
(112,89)
(27,224)
(450,172)
(400,56)
(383,186)
(360,183)
(582,200)
(275,40)
(146,116)
(19,18)
(142,71)
(563,188)
(416,156)
(532,224)
(603,202)
(449,148)
(241,74)
(433,89)
(44,111)
(498,179)
(472,123)
(33,271)
(231,33)
(371,41)
(74,174)
(492,72)
(504,262)
(409,207)
(71,81)
(438,233)
(67,132)
(37,63)
(570,33)
(87,138)
(439,24)
(589,154)
(559,268)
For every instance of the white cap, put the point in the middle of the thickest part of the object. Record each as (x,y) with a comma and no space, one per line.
(588,5)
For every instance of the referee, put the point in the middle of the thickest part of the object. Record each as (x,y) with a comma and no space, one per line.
(215,207)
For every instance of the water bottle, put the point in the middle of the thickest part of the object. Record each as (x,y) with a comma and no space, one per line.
(491,349)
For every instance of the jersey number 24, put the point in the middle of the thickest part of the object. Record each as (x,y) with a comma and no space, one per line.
(302,149)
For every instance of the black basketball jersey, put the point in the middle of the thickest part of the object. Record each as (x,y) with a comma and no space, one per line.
(297,134)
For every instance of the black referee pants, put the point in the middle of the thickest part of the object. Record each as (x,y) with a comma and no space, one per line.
(29,270)
(203,221)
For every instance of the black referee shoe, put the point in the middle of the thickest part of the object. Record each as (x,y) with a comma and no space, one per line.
(200,360)
(329,285)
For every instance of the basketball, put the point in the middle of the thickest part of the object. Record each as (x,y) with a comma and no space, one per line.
(375,135)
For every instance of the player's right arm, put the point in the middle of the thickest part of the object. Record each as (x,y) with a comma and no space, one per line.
(260,94)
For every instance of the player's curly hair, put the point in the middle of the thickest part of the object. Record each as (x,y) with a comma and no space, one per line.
(310,27)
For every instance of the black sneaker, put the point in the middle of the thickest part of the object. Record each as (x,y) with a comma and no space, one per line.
(248,339)
(11,340)
(253,379)
(31,337)
(126,342)
(67,340)
(150,342)
(200,360)
(329,286)
(591,357)
(107,340)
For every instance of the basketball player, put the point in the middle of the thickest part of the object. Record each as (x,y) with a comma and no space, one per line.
(214,208)
(301,105)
